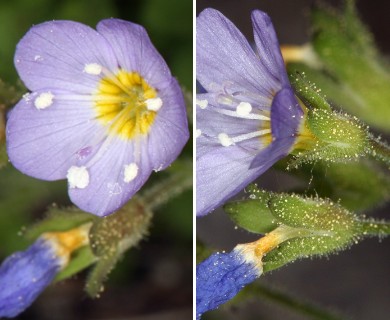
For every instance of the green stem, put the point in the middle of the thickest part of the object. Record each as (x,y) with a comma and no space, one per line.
(302,307)
(374,228)
(179,181)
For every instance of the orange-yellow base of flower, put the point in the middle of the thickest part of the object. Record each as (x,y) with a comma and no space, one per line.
(121,104)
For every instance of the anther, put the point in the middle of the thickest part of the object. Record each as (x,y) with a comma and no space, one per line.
(153,104)
(202,103)
(93,68)
(131,171)
(244,109)
(78,177)
(225,140)
(44,100)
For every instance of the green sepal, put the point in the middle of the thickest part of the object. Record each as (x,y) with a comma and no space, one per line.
(59,219)
(80,260)
(99,273)
(347,52)
(324,84)
(331,137)
(252,214)
(318,215)
(308,92)
(120,230)
(342,182)
(305,247)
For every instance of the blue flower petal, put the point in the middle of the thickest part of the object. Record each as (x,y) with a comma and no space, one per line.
(249,117)
(286,116)
(24,275)
(220,277)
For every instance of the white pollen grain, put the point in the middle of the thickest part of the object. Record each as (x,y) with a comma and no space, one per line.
(154,104)
(198,133)
(93,68)
(202,103)
(78,177)
(44,100)
(225,140)
(244,108)
(131,171)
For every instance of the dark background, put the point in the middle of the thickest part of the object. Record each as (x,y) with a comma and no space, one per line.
(154,280)
(356,282)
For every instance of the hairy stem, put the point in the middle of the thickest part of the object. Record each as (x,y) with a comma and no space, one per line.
(297,305)
(173,185)
(374,228)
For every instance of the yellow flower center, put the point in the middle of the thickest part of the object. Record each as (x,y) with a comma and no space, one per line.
(121,104)
(265,126)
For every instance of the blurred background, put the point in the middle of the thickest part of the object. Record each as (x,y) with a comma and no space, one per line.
(154,280)
(354,283)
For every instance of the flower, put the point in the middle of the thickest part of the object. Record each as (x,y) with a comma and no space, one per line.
(249,117)
(24,275)
(221,276)
(104,111)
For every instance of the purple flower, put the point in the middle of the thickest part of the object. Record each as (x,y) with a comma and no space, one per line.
(221,276)
(248,118)
(104,111)
(24,275)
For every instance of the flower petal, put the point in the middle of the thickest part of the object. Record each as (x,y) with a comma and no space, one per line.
(54,54)
(24,275)
(220,277)
(222,173)
(211,121)
(268,46)
(286,116)
(45,143)
(224,56)
(135,52)
(107,189)
(169,132)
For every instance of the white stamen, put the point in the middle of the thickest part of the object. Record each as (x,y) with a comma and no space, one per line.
(202,103)
(131,171)
(225,140)
(93,68)
(243,109)
(250,135)
(153,104)
(198,133)
(78,177)
(44,100)
(251,116)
